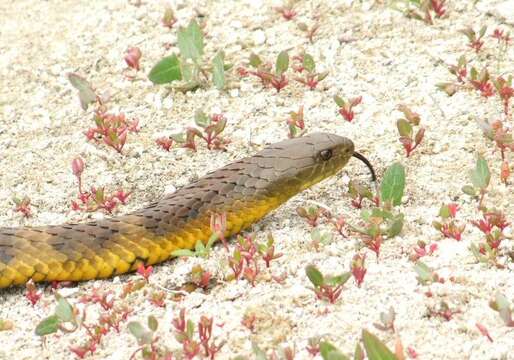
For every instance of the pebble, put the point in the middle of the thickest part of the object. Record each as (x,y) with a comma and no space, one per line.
(259,37)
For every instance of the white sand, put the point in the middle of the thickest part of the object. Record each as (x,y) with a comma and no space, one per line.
(390,60)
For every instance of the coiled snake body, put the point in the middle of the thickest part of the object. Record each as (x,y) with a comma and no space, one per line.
(245,190)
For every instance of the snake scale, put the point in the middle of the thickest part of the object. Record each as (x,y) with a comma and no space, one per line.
(245,191)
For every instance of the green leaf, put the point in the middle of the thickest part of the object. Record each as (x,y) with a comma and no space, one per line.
(423,271)
(48,326)
(64,310)
(483,30)
(182,252)
(393,184)
(330,352)
(190,329)
(258,352)
(501,301)
(396,227)
(255,60)
(218,71)
(199,248)
(282,63)
(338,280)
(166,70)
(152,323)
(136,329)
(404,128)
(190,41)
(469,190)
(444,212)
(480,175)
(339,101)
(308,63)
(201,119)
(86,93)
(212,240)
(358,353)
(314,275)
(375,349)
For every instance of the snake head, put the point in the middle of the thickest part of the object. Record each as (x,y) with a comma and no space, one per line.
(302,162)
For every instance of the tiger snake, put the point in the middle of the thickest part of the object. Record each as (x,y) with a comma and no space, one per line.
(245,191)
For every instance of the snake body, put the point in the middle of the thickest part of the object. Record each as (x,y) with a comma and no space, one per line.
(245,191)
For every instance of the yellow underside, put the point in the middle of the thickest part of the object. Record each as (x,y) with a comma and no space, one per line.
(124,251)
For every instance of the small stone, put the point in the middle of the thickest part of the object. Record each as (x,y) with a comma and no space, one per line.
(259,37)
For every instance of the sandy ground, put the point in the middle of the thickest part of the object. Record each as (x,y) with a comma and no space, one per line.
(388,59)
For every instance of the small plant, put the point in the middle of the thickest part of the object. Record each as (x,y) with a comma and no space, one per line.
(326,287)
(168,18)
(95,199)
(263,71)
(296,124)
(287,10)
(492,226)
(23,206)
(504,41)
(309,31)
(218,228)
(190,67)
(358,268)
(426,275)
(200,278)
(319,237)
(132,58)
(500,134)
(443,310)
(387,320)
(32,294)
(483,330)
(505,91)
(311,214)
(244,260)
(449,226)
(346,106)
(423,10)
(111,129)
(145,272)
(423,249)
(375,350)
(311,78)
(200,250)
(481,81)
(68,318)
(63,314)
(475,38)
(480,177)
(405,127)
(147,340)
(87,93)
(503,307)
(358,192)
(381,222)
(209,130)
(267,251)
(184,334)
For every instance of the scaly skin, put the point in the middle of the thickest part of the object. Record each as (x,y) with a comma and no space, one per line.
(246,191)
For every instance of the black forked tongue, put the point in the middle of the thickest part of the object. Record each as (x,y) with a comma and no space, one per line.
(368,164)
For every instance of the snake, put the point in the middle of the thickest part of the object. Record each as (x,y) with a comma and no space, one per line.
(243,191)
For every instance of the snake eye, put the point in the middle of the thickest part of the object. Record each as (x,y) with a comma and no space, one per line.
(325,154)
